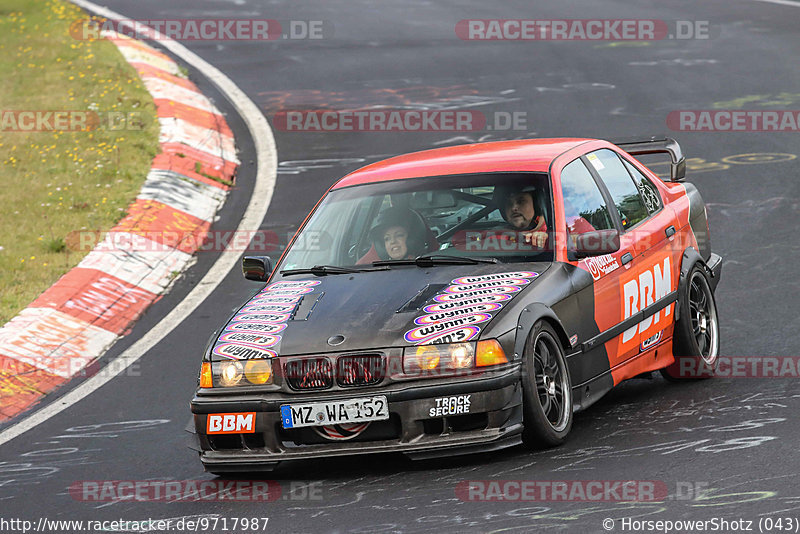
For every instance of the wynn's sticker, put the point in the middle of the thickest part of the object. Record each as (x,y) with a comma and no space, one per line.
(454,335)
(445,306)
(423,333)
(265,298)
(455,313)
(259,308)
(255,326)
(273,308)
(458,288)
(236,351)
(449,297)
(249,315)
(266,317)
(464,280)
(286,291)
(262,301)
(260,340)
(293,283)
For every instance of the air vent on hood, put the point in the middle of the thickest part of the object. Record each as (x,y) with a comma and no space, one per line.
(425,294)
(306,306)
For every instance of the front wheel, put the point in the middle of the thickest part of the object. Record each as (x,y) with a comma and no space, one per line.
(696,344)
(547,390)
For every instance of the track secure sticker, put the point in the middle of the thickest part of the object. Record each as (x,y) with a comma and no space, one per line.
(238,351)
(456,405)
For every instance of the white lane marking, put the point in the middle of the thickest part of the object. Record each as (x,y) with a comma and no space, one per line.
(781,2)
(267,161)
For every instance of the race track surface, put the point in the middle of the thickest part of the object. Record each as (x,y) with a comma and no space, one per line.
(724,448)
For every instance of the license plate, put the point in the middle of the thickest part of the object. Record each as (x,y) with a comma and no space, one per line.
(335,412)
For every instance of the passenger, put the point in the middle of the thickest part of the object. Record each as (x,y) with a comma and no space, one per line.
(399,234)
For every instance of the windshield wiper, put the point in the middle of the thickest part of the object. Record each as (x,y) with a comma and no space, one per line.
(323,270)
(429,260)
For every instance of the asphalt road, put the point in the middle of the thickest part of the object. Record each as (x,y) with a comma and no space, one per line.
(724,448)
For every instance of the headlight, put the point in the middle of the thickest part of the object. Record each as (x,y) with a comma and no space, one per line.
(433,358)
(232,373)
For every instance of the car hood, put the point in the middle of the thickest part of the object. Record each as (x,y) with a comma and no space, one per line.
(405,305)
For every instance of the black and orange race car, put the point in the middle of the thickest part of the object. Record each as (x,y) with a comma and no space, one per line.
(463,299)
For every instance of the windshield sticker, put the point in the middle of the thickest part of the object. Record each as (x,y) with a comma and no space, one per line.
(238,351)
(465,280)
(255,326)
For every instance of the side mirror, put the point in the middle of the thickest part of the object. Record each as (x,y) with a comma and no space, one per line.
(257,268)
(597,243)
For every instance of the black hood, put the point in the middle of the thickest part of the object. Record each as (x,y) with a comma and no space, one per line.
(405,305)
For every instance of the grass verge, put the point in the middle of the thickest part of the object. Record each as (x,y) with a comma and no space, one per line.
(57,182)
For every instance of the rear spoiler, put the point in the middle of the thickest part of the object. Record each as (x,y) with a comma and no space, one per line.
(657,145)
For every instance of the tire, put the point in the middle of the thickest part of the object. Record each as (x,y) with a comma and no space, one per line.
(546,390)
(696,340)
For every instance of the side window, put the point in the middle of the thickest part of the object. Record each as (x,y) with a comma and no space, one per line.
(584,207)
(623,191)
(649,192)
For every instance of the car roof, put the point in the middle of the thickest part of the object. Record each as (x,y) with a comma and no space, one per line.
(527,155)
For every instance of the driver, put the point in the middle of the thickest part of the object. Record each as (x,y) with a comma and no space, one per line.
(518,208)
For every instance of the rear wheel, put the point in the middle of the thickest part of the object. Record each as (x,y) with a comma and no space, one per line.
(696,343)
(547,390)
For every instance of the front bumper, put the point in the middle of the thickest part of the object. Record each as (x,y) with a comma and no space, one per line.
(494,421)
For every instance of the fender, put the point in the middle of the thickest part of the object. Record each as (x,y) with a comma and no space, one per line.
(690,257)
(528,317)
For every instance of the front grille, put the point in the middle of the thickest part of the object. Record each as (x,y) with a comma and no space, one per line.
(359,370)
(309,373)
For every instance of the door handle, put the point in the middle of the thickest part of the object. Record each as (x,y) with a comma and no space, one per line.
(626,258)
(670,231)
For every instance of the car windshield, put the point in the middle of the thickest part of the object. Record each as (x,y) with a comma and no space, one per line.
(494,215)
